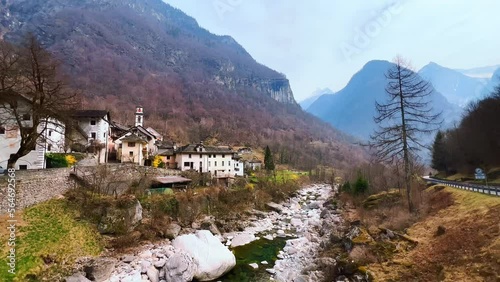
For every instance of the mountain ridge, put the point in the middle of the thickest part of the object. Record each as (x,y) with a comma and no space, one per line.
(352,109)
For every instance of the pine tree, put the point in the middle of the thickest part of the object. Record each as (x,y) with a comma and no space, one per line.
(439,153)
(268,160)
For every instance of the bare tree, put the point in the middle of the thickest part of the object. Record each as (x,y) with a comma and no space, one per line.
(403,118)
(32,96)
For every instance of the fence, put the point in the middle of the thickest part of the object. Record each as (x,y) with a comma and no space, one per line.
(485,189)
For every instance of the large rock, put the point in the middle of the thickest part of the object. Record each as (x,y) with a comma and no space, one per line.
(119,219)
(180,267)
(211,257)
(172,230)
(100,269)
(242,239)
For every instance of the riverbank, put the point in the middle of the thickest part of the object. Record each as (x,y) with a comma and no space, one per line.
(292,233)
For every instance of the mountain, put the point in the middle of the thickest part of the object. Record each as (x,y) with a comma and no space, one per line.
(458,88)
(192,84)
(481,72)
(352,109)
(304,104)
(492,83)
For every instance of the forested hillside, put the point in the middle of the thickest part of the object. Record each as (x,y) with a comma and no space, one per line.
(193,85)
(475,143)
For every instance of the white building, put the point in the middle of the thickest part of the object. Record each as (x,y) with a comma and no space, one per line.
(51,136)
(96,125)
(218,161)
(239,166)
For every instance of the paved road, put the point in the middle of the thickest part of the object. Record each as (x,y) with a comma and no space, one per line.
(490,190)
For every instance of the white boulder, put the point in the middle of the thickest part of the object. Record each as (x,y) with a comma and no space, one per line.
(211,257)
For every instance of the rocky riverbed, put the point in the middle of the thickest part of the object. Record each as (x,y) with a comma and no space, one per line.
(303,223)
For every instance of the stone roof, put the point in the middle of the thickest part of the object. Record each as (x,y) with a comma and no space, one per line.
(171,179)
(89,113)
(193,149)
(133,138)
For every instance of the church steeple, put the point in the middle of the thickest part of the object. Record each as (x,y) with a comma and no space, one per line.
(139,116)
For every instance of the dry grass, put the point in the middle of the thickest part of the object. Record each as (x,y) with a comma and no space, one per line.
(469,250)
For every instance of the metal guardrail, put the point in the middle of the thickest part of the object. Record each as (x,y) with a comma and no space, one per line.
(485,189)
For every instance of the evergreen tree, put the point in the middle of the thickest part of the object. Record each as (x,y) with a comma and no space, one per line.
(268,160)
(439,153)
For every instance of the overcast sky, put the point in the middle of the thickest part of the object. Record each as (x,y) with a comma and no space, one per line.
(322,43)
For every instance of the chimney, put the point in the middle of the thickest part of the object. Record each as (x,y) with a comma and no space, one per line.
(139,116)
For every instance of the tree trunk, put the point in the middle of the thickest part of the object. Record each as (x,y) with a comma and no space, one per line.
(406,158)
(11,163)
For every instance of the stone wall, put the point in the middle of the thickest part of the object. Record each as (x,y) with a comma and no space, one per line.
(35,186)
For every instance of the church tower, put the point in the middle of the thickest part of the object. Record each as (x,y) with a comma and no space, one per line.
(139,116)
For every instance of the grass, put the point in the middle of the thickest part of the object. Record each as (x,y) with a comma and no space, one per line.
(280,176)
(49,240)
(469,249)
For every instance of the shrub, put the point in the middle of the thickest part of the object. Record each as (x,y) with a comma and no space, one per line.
(56,160)
(158,162)
(346,187)
(361,185)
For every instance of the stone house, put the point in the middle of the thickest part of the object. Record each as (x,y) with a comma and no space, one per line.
(253,165)
(95,124)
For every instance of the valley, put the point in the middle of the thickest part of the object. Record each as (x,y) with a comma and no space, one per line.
(247,141)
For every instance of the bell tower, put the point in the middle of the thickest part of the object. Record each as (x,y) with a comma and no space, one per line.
(139,116)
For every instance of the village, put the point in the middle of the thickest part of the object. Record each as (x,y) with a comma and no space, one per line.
(94,134)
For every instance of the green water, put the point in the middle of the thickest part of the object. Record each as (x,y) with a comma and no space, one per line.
(255,252)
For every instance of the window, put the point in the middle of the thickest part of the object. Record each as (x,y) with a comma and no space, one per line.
(200,156)
(93,135)
(168,157)
(26,117)
(131,144)
(2,130)
(104,135)
(93,122)
(131,153)
(189,155)
(222,163)
(215,163)
(50,132)
(208,163)
(23,167)
(229,163)
(120,146)
(138,119)
(186,163)
(49,147)
(223,156)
